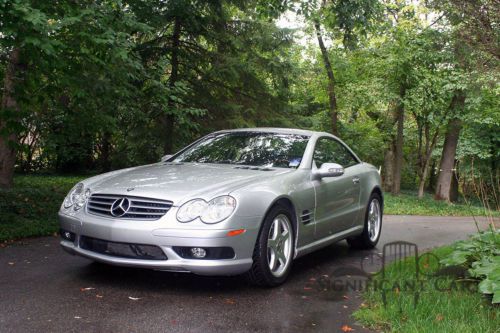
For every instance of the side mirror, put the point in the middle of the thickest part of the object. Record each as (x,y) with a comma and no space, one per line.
(165,158)
(329,170)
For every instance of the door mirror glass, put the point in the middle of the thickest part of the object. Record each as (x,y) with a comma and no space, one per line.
(166,158)
(329,170)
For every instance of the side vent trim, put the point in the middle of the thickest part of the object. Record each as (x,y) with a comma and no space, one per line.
(307,216)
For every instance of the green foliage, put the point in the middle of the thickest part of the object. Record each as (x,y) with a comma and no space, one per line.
(481,255)
(407,203)
(109,84)
(444,304)
(30,209)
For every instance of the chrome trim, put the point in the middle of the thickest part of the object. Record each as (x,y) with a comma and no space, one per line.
(140,208)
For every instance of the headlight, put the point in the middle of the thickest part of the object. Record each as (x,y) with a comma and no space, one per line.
(214,211)
(76,197)
(191,210)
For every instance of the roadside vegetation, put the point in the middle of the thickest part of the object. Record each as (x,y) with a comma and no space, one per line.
(407,203)
(480,255)
(446,299)
(30,207)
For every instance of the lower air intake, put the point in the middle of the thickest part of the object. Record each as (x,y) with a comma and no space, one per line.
(122,250)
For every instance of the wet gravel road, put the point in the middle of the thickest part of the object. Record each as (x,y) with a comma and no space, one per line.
(43,289)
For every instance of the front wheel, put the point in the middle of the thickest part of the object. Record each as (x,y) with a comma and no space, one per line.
(372,227)
(273,253)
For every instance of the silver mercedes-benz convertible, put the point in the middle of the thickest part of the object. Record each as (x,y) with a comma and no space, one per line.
(237,201)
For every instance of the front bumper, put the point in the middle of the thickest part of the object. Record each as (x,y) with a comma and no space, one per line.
(138,232)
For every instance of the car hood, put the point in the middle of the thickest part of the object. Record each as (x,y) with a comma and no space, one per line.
(180,182)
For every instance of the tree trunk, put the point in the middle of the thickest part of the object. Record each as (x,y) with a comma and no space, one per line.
(168,119)
(454,185)
(388,168)
(331,79)
(432,177)
(398,151)
(7,142)
(449,150)
(425,172)
(426,159)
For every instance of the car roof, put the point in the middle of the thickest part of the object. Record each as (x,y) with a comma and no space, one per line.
(276,130)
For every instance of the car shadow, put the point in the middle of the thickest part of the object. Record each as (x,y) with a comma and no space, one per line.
(323,261)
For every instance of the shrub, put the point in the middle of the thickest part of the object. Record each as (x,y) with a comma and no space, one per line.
(481,255)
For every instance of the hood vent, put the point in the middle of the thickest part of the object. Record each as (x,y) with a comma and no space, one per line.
(173,163)
(307,216)
(253,168)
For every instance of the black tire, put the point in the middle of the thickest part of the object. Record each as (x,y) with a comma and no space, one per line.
(260,274)
(363,241)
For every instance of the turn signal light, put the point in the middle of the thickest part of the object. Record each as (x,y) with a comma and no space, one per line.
(235,232)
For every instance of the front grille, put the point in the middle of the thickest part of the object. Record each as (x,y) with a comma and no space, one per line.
(139,208)
(122,250)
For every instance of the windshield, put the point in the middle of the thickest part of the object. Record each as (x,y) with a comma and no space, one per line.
(248,148)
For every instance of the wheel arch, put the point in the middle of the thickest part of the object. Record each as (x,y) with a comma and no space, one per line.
(378,191)
(286,202)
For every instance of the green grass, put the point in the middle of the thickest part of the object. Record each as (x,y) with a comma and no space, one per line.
(410,204)
(30,207)
(455,307)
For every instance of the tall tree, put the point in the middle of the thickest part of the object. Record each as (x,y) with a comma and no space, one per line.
(24,29)
(332,99)
(447,164)
(8,138)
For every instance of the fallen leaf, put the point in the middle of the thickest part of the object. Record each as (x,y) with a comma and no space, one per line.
(229,301)
(86,289)
(345,306)
(345,297)
(346,328)
(439,317)
(99,296)
(11,263)
(133,298)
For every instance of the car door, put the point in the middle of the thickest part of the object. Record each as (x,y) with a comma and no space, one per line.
(337,198)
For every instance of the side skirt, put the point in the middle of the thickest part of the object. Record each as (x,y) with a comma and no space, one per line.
(328,240)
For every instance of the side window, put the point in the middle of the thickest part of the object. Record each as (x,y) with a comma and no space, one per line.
(331,151)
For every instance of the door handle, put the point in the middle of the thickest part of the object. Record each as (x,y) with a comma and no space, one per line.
(355,180)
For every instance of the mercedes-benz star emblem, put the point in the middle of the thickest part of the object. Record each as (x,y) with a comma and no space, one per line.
(120,207)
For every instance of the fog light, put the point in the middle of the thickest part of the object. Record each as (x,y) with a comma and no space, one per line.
(198,252)
(67,235)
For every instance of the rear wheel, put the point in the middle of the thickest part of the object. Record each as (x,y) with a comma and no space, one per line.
(273,253)
(372,227)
